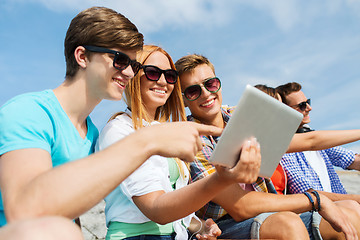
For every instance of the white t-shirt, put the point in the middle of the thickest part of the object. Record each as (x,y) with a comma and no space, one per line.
(318,164)
(153,175)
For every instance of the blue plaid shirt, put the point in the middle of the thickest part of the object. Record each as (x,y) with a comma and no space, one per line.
(301,176)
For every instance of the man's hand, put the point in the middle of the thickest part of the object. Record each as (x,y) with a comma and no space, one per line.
(178,139)
(338,220)
(247,168)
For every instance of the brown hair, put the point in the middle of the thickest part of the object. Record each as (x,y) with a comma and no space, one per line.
(286,89)
(103,27)
(268,90)
(190,62)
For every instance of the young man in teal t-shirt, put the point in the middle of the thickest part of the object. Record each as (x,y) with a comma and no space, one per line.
(43,133)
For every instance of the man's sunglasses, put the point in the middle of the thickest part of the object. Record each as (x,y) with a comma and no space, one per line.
(121,60)
(302,106)
(193,92)
(153,73)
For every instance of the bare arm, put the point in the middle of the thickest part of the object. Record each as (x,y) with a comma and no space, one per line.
(242,204)
(164,207)
(356,164)
(250,204)
(31,187)
(340,197)
(319,140)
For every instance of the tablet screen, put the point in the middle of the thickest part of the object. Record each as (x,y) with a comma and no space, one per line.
(258,115)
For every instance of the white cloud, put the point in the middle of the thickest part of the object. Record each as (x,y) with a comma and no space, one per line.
(151,16)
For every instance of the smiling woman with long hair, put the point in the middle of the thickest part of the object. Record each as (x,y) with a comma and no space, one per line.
(155,202)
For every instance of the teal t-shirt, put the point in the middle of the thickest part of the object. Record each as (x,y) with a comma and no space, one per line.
(37,120)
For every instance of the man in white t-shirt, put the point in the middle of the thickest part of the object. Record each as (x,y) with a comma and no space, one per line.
(315,169)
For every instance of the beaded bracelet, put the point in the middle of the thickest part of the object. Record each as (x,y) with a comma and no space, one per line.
(317,198)
(311,200)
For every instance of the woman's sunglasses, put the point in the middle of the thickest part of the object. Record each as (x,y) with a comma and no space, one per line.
(193,92)
(153,73)
(121,60)
(302,106)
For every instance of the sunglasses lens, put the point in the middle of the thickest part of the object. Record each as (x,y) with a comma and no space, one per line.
(152,73)
(121,61)
(303,105)
(212,85)
(171,76)
(192,92)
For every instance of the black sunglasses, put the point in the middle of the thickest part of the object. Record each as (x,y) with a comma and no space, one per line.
(302,106)
(121,60)
(193,92)
(153,73)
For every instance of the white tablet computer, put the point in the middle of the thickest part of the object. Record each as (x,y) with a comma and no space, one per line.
(259,115)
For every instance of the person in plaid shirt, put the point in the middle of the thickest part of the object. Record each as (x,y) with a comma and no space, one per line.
(315,169)
(240,211)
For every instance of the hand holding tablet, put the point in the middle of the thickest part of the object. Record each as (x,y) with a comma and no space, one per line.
(258,115)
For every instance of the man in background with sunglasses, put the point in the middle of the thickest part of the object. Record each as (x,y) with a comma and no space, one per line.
(244,211)
(315,169)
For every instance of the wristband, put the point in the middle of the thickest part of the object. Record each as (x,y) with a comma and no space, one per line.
(317,198)
(311,201)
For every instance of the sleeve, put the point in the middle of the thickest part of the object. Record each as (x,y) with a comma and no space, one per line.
(25,124)
(340,157)
(298,181)
(201,167)
(147,178)
(113,131)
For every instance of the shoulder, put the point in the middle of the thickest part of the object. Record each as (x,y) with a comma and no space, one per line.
(35,100)
(41,106)
(115,130)
(27,119)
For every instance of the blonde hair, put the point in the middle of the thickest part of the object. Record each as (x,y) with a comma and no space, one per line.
(172,110)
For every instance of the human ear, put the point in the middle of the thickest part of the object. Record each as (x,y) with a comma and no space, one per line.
(80,56)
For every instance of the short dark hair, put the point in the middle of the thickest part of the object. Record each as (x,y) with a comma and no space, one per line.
(268,90)
(286,89)
(103,27)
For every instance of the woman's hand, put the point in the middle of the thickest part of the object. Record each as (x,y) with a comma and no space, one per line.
(210,232)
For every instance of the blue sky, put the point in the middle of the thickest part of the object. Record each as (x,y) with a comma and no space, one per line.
(316,43)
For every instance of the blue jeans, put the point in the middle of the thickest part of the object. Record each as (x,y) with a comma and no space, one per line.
(151,237)
(231,229)
(250,228)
